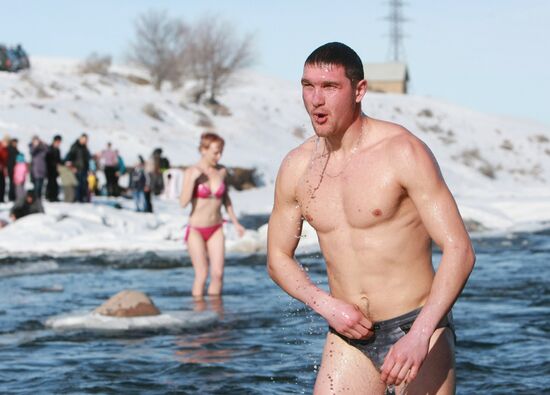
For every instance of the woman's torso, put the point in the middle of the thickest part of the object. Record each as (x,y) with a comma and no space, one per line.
(208,196)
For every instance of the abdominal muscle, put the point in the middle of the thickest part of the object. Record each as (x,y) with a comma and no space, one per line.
(385,277)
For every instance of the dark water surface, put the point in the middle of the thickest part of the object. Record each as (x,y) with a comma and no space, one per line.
(264,343)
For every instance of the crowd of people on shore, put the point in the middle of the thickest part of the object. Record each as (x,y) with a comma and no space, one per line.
(75,176)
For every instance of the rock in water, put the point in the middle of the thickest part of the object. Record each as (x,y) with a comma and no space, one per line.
(128,303)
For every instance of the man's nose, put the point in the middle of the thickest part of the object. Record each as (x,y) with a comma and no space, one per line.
(318,98)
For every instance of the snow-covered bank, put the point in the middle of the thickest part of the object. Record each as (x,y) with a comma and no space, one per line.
(497,168)
(99,228)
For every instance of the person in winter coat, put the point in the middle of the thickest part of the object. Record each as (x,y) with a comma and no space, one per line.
(38,150)
(68,183)
(155,171)
(20,171)
(79,157)
(12,155)
(3,167)
(53,159)
(109,161)
(93,182)
(140,183)
(121,164)
(26,206)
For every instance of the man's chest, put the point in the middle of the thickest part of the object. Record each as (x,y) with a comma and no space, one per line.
(358,198)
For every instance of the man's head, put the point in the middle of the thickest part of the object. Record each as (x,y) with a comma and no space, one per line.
(56,140)
(83,139)
(333,86)
(338,54)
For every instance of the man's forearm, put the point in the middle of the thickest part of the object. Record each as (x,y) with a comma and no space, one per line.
(451,276)
(291,277)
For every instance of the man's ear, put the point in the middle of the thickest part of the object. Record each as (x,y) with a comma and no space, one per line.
(360,90)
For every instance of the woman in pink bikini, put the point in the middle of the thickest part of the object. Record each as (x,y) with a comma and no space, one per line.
(205,187)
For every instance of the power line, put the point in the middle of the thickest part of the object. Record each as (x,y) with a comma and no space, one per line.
(396,49)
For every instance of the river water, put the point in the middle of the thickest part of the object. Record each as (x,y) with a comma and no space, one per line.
(264,342)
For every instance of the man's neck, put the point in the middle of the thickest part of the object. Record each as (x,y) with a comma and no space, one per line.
(347,141)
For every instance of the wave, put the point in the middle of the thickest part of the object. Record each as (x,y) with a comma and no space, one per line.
(26,268)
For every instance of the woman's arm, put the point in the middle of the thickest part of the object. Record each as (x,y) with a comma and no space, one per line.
(229,208)
(189,178)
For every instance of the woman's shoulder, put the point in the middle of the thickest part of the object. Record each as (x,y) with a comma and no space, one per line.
(222,170)
(193,170)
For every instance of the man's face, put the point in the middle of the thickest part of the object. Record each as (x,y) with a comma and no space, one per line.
(329,98)
(83,140)
(56,143)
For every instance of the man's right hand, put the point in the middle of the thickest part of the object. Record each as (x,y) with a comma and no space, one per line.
(347,319)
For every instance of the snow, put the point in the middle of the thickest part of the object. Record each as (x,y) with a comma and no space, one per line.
(97,322)
(498,168)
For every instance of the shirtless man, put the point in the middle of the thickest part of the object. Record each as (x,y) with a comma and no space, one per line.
(376,198)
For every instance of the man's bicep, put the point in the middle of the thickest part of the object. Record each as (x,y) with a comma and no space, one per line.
(433,199)
(285,227)
(441,217)
(285,223)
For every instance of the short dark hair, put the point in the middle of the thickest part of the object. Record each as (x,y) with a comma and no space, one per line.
(338,54)
(57,137)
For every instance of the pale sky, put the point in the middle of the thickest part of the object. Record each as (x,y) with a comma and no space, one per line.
(487,55)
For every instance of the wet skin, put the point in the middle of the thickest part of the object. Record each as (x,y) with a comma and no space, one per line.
(375,196)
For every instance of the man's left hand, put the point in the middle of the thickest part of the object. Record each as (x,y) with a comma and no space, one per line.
(404,359)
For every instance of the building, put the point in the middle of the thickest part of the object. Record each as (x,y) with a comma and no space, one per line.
(389,77)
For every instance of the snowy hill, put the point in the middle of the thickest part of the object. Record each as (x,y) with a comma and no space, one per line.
(498,168)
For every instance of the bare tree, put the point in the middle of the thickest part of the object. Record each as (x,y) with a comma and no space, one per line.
(159,47)
(214,53)
(96,64)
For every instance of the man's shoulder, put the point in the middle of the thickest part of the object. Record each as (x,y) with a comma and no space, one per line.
(408,155)
(302,153)
(295,163)
(398,141)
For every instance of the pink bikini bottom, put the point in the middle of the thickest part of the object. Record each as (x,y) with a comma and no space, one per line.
(206,232)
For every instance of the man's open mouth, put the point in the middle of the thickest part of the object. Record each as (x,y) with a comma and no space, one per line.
(320,117)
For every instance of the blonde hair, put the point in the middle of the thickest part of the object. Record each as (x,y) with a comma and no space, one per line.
(208,138)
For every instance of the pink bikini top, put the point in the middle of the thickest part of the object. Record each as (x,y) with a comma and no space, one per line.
(202,191)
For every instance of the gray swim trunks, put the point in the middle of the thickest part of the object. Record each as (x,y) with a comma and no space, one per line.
(387,333)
